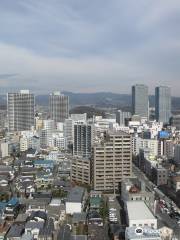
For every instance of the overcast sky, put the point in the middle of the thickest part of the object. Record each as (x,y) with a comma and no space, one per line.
(89,45)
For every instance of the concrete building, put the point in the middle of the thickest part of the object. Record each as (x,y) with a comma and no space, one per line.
(139,215)
(59,107)
(163,104)
(80,170)
(159,175)
(79,117)
(134,190)
(174,182)
(20,110)
(140,100)
(177,154)
(46,132)
(111,161)
(122,116)
(83,139)
(175,121)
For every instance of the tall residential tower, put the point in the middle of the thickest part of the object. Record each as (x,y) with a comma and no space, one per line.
(20,110)
(59,107)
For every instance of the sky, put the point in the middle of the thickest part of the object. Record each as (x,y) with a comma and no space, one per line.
(89,45)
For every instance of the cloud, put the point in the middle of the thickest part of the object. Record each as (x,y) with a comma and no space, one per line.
(87,45)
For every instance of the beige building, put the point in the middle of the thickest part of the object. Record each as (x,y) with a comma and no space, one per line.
(111,161)
(80,170)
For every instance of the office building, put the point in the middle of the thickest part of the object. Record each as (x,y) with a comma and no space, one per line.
(59,107)
(111,161)
(83,139)
(122,116)
(140,100)
(20,110)
(163,104)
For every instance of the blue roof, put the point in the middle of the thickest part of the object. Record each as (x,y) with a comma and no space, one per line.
(40,161)
(3,205)
(13,201)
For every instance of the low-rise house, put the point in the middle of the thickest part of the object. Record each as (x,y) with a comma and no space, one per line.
(79,218)
(15,232)
(75,200)
(33,228)
(116,231)
(12,208)
(47,232)
(44,164)
(94,218)
(96,232)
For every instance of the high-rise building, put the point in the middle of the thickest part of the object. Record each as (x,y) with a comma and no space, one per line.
(122,116)
(59,107)
(80,170)
(46,132)
(21,111)
(82,139)
(163,104)
(140,100)
(111,161)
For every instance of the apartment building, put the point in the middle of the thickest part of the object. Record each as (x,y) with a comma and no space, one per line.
(111,161)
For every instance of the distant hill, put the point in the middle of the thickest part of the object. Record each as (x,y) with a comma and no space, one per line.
(98,100)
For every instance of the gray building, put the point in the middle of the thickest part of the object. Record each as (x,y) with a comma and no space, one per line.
(59,107)
(20,110)
(140,100)
(159,175)
(80,170)
(82,139)
(175,121)
(163,104)
(122,116)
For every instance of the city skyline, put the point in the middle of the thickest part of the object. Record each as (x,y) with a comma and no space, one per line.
(78,48)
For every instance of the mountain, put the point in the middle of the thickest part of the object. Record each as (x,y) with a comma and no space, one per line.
(98,100)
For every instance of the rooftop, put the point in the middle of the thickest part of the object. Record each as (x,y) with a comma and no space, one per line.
(138,210)
(76,194)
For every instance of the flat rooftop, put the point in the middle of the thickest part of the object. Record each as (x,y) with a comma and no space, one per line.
(76,194)
(137,210)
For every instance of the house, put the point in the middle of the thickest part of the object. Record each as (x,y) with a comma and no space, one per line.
(75,200)
(15,232)
(117,231)
(44,164)
(12,208)
(79,218)
(96,232)
(33,228)
(46,233)
(95,218)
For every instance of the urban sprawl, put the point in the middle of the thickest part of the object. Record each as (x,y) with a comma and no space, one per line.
(70,177)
